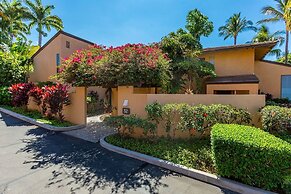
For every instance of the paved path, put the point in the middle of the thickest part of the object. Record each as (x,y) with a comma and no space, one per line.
(36,161)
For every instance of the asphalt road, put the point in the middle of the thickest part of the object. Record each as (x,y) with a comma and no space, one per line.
(34,160)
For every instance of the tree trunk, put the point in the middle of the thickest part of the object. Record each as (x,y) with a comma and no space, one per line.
(39,39)
(235,37)
(286,47)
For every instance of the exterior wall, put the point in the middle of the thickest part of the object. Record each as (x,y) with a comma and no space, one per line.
(269,75)
(45,62)
(74,46)
(232,62)
(137,103)
(76,112)
(253,88)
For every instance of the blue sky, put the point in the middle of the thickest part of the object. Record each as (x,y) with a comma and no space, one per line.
(116,22)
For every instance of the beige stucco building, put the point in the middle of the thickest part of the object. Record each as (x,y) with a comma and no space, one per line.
(241,69)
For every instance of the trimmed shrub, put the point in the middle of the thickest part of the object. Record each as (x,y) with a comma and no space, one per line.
(287,184)
(250,155)
(5,96)
(276,118)
(199,117)
(20,92)
(127,124)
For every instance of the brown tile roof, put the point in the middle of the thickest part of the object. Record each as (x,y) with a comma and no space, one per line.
(56,35)
(251,45)
(277,63)
(237,79)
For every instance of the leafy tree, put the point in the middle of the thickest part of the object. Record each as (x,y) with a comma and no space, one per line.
(282,59)
(180,44)
(189,74)
(282,12)
(40,16)
(264,35)
(183,48)
(11,21)
(235,25)
(15,63)
(198,24)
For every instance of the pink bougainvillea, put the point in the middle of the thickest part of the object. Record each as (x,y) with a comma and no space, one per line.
(130,64)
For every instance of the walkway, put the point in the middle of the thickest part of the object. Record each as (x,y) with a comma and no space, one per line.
(34,160)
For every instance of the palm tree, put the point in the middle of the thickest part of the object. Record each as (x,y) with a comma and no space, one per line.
(40,16)
(264,35)
(11,21)
(235,25)
(282,12)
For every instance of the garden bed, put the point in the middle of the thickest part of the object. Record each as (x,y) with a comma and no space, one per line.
(37,116)
(192,153)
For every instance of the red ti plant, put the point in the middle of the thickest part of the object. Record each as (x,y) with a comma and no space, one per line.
(55,98)
(36,93)
(20,92)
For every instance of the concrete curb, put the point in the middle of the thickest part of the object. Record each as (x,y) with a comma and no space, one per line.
(45,126)
(196,174)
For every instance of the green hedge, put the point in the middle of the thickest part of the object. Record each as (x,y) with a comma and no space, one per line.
(5,96)
(199,117)
(276,118)
(250,155)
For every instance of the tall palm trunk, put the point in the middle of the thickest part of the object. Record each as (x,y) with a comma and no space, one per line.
(235,39)
(39,39)
(286,47)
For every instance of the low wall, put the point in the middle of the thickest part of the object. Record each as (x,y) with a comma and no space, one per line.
(76,112)
(137,102)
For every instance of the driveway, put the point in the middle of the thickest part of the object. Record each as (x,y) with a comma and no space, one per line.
(34,160)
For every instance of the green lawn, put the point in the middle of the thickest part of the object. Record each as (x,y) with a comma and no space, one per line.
(38,117)
(193,153)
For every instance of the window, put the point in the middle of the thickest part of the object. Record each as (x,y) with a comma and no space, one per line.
(58,61)
(232,92)
(286,86)
(242,92)
(224,91)
(68,44)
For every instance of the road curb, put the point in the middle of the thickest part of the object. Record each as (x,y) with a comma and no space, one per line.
(196,174)
(45,126)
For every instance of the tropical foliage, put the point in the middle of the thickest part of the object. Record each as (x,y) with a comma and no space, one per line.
(264,35)
(183,48)
(280,13)
(282,59)
(15,63)
(235,25)
(131,64)
(40,15)
(11,22)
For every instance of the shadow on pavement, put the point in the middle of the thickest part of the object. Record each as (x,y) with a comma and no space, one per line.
(12,122)
(87,165)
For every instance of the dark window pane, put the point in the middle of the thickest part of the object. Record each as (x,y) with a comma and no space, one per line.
(286,86)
